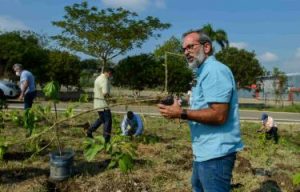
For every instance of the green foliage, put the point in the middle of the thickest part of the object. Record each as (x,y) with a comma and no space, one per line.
(178,74)
(29,121)
(172,45)
(84,98)
(69,112)
(120,150)
(243,64)
(104,34)
(51,90)
(42,112)
(122,153)
(138,72)
(24,47)
(63,67)
(219,35)
(296,179)
(16,118)
(3,146)
(93,146)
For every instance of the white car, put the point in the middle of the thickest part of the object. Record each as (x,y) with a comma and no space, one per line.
(9,89)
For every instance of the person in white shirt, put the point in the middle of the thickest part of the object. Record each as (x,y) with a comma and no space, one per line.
(132,124)
(102,88)
(269,127)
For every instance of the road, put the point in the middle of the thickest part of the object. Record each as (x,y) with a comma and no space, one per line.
(245,115)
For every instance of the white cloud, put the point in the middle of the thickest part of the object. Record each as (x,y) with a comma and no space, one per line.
(136,5)
(297,54)
(160,3)
(239,45)
(268,57)
(10,24)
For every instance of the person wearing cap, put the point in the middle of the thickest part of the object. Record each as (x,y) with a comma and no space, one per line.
(27,85)
(213,115)
(132,124)
(102,88)
(269,127)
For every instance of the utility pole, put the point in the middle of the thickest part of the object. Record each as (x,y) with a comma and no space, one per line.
(166,67)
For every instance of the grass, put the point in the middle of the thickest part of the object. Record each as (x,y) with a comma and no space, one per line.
(163,163)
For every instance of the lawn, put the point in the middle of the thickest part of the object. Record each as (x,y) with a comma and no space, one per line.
(163,161)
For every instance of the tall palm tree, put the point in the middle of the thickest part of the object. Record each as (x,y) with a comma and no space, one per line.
(220,36)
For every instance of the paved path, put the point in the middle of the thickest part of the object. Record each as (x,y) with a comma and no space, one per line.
(245,115)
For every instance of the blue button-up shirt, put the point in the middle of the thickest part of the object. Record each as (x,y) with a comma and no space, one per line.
(215,84)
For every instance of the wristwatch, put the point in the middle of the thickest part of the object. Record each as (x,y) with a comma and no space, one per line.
(183,114)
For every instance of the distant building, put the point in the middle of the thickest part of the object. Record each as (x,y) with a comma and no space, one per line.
(268,84)
(265,88)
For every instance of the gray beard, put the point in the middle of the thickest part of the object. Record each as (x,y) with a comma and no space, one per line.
(197,61)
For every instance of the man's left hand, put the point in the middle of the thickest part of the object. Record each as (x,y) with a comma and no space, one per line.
(170,111)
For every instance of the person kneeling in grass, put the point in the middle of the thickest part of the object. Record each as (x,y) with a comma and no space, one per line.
(132,124)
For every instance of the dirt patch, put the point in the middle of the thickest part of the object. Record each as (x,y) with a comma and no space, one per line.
(285,167)
(10,176)
(243,165)
(283,180)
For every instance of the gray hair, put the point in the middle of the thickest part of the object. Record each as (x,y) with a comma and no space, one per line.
(18,66)
(203,37)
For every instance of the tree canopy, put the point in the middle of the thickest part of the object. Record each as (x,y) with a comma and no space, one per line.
(63,67)
(104,34)
(23,47)
(139,72)
(243,64)
(219,35)
(178,74)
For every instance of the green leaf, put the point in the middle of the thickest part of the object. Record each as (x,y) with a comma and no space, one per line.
(296,179)
(91,152)
(51,90)
(112,164)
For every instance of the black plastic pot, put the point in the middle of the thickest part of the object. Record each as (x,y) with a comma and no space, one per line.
(61,165)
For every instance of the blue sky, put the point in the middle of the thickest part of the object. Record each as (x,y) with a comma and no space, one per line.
(269,28)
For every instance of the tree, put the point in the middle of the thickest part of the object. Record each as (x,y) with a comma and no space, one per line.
(23,47)
(279,85)
(243,64)
(63,67)
(138,72)
(220,36)
(104,34)
(177,74)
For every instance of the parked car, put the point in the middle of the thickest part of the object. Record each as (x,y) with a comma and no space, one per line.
(9,89)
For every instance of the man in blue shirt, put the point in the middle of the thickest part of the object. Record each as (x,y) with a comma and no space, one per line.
(132,124)
(27,85)
(213,116)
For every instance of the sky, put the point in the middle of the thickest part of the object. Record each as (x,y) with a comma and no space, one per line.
(271,28)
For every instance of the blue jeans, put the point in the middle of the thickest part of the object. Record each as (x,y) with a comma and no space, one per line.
(213,175)
(28,99)
(105,119)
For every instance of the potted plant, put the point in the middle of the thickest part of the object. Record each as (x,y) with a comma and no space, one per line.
(61,161)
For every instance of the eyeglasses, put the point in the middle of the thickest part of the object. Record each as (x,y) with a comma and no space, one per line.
(190,47)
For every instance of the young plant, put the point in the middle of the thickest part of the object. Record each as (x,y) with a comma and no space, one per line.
(84,98)
(29,121)
(51,91)
(16,118)
(121,151)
